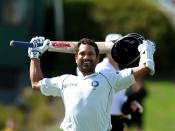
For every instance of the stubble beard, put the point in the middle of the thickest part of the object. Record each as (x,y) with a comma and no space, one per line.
(87,68)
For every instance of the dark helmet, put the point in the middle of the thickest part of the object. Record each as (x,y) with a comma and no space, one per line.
(125,50)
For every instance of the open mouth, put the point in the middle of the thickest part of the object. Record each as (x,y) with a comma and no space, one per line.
(86,62)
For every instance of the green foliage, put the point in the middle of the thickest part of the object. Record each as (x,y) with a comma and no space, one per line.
(41,109)
(9,111)
(33,99)
(36,112)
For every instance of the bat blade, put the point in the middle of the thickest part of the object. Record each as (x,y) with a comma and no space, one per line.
(63,46)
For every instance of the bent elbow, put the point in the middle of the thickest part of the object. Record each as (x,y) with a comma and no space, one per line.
(35,85)
(140,72)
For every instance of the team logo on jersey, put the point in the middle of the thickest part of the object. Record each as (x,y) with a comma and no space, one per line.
(95,83)
(70,85)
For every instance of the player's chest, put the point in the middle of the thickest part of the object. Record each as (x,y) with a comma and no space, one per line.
(90,88)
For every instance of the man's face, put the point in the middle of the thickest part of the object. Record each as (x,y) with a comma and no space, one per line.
(86,59)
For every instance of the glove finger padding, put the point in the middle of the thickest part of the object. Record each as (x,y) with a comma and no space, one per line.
(36,51)
(36,40)
(125,50)
(40,39)
(147,50)
(147,45)
(33,53)
(45,46)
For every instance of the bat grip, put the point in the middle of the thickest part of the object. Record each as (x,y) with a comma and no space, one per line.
(24,44)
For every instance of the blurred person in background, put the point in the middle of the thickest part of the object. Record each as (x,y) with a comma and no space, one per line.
(10,124)
(137,92)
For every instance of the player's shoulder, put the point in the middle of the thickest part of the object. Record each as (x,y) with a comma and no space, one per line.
(126,71)
(68,76)
(108,74)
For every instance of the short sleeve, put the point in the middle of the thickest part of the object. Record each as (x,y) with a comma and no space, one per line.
(52,86)
(125,79)
(120,79)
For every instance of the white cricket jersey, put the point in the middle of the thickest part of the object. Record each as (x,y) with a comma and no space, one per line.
(119,98)
(87,100)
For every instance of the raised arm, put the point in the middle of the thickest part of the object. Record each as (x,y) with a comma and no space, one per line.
(34,53)
(140,71)
(146,64)
(35,73)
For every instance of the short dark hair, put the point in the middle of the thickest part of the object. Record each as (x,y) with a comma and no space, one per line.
(87,41)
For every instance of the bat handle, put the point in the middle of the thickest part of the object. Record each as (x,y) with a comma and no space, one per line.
(24,44)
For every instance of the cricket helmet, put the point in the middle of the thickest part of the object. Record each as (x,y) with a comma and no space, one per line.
(125,50)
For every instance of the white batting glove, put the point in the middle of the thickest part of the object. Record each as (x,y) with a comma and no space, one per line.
(36,52)
(129,116)
(139,106)
(147,49)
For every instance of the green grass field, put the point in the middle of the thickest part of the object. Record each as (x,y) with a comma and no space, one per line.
(160,106)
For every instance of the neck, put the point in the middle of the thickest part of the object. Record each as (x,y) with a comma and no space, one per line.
(86,74)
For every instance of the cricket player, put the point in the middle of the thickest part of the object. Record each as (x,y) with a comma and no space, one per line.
(87,98)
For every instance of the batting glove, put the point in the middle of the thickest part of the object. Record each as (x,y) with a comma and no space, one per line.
(36,52)
(147,49)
